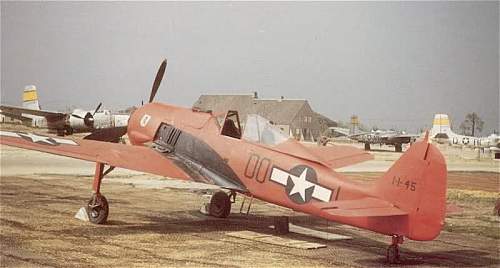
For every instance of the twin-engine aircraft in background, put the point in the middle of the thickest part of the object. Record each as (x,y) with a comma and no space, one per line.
(262,162)
(77,121)
(387,137)
(441,132)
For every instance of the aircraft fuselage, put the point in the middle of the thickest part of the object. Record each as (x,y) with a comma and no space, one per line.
(194,141)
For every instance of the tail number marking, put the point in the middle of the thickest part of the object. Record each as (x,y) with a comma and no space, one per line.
(405,184)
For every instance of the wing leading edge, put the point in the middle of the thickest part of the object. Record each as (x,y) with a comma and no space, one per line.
(5,109)
(337,156)
(132,157)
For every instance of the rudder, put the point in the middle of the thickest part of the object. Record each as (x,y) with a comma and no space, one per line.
(441,126)
(30,98)
(416,183)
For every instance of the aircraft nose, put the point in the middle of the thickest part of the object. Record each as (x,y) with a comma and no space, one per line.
(89,120)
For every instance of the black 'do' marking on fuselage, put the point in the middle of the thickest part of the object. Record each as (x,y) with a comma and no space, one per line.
(257,167)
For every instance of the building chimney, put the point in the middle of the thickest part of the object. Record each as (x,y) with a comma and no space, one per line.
(255,95)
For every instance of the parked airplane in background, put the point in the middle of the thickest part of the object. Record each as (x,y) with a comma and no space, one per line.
(388,137)
(441,132)
(259,161)
(62,123)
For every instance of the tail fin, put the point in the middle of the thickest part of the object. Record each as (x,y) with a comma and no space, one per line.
(441,125)
(30,98)
(416,184)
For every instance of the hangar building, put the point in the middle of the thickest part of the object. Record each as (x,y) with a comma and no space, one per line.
(292,116)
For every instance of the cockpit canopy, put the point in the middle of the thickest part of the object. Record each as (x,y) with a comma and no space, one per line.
(256,129)
(259,129)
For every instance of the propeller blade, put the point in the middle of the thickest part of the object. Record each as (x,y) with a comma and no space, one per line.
(107,134)
(97,109)
(159,77)
(77,116)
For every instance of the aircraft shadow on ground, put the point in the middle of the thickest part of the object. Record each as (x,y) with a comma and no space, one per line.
(193,222)
(384,151)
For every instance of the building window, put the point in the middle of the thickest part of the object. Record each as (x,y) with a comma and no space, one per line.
(297,131)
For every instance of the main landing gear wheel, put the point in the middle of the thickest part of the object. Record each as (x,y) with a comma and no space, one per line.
(220,205)
(98,209)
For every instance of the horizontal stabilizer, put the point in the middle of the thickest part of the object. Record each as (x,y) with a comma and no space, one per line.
(337,156)
(365,207)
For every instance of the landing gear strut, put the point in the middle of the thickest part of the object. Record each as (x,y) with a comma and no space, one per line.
(367,147)
(220,204)
(398,147)
(393,249)
(97,207)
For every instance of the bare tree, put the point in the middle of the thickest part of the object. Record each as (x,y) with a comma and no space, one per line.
(472,123)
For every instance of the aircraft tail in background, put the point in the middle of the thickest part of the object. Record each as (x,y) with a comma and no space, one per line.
(441,125)
(30,98)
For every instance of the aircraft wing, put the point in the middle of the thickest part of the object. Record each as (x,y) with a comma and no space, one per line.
(16,116)
(365,207)
(338,156)
(20,110)
(401,138)
(340,131)
(359,134)
(132,157)
(407,136)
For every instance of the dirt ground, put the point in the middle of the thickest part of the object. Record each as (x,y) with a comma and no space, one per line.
(154,223)
(163,227)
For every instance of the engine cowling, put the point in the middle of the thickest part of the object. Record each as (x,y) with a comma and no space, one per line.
(81,120)
(143,123)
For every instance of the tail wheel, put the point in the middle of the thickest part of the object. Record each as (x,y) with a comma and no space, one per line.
(220,205)
(98,209)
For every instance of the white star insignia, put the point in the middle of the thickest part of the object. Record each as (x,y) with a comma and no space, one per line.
(300,184)
(37,138)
